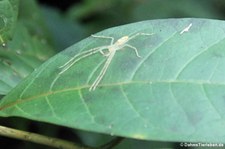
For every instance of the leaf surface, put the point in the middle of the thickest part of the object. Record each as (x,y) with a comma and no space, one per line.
(174,92)
(8,18)
(20,57)
(28,48)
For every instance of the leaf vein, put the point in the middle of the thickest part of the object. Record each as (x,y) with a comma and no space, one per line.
(31,82)
(193,58)
(21,110)
(132,106)
(214,70)
(149,55)
(51,108)
(211,103)
(107,85)
(86,107)
(183,109)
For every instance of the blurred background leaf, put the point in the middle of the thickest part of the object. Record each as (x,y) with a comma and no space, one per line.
(64,32)
(29,47)
(8,17)
(100,14)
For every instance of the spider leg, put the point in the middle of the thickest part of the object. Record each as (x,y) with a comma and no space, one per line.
(104,54)
(133,36)
(132,47)
(140,34)
(84,54)
(103,71)
(106,37)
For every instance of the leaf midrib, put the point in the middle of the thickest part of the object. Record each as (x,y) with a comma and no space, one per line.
(193,82)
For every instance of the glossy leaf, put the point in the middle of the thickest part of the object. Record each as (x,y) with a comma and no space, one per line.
(28,48)
(20,57)
(8,18)
(175,92)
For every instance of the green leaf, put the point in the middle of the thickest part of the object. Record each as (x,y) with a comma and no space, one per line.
(20,57)
(28,48)
(31,16)
(65,32)
(8,17)
(175,92)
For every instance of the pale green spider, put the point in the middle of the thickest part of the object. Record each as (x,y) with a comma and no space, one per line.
(112,48)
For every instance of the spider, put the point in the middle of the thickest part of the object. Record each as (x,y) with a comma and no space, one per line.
(112,48)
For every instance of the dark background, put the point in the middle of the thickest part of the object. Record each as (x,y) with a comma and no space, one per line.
(62,5)
(91,16)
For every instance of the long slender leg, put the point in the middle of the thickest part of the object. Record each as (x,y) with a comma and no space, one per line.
(106,37)
(132,47)
(66,67)
(73,60)
(140,34)
(84,52)
(103,71)
(133,36)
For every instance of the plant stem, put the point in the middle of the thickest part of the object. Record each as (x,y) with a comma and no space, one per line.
(37,138)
